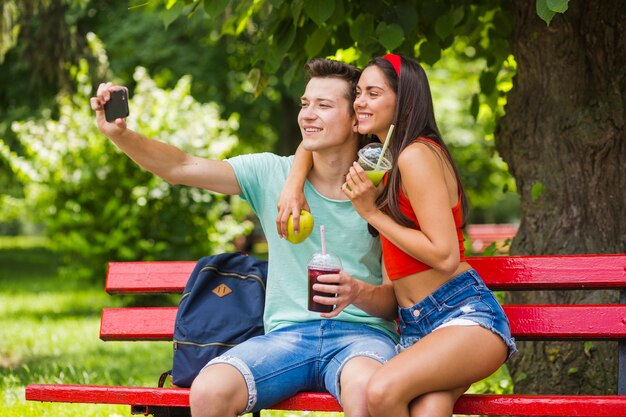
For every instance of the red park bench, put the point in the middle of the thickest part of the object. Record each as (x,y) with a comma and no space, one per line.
(510,273)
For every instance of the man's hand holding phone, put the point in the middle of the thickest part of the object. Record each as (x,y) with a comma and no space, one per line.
(111,107)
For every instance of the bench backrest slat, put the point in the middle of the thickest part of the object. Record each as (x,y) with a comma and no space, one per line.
(551,272)
(137,323)
(528,322)
(148,277)
(499,272)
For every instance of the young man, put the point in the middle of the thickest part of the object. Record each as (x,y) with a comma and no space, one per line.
(301,350)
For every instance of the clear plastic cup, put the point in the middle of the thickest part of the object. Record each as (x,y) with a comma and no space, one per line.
(321,264)
(368,159)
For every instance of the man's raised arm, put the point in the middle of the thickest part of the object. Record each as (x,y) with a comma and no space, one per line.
(162,159)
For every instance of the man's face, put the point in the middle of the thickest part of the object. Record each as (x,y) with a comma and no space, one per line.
(325,118)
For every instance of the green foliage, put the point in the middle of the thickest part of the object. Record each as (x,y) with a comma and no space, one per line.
(547,9)
(488,185)
(98,206)
(413,28)
(536,191)
(497,383)
(279,36)
(189,47)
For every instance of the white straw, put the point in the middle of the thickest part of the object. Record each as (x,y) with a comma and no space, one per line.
(380,158)
(323,240)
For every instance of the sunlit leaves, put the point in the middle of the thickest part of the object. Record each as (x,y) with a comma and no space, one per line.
(536,190)
(407,16)
(446,23)
(296,11)
(172,11)
(319,10)
(9,27)
(315,42)
(362,28)
(256,81)
(559,6)
(430,52)
(546,9)
(215,7)
(97,205)
(390,36)
(284,37)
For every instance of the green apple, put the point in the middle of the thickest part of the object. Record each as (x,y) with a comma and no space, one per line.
(306,227)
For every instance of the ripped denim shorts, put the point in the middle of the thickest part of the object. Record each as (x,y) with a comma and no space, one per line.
(464,300)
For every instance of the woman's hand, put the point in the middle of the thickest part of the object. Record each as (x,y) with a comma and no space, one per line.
(290,201)
(361,191)
(343,285)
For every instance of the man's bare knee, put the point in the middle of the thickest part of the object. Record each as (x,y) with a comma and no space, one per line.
(354,380)
(219,390)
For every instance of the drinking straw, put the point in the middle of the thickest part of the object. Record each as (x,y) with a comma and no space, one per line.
(323,240)
(380,158)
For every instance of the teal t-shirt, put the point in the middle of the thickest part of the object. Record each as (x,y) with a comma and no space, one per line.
(261,178)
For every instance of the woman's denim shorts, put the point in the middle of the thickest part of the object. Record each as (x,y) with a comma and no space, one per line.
(465,299)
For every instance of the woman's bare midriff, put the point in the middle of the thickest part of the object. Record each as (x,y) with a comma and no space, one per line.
(413,288)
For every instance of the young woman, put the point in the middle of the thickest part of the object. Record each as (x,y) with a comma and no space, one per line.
(453,331)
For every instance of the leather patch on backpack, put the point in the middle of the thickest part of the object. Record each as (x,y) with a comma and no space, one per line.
(222,290)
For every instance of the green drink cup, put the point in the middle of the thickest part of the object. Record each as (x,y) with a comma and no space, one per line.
(369,160)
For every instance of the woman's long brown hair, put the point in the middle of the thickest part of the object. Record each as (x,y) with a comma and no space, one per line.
(414,118)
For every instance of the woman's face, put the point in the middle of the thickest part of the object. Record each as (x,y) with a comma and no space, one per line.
(375,103)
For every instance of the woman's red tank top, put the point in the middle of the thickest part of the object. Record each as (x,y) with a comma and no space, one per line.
(400,264)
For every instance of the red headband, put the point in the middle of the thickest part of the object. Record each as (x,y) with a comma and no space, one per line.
(395,61)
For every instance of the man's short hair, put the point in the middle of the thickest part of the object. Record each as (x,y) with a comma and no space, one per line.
(328,68)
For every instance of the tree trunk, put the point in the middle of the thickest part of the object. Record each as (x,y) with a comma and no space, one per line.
(564,134)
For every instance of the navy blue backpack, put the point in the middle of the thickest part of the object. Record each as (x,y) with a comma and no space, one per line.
(221,306)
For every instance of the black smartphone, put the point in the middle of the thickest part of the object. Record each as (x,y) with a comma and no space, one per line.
(117,106)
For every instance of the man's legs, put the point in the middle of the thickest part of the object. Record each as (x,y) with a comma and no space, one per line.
(219,390)
(258,373)
(354,378)
(310,356)
(353,352)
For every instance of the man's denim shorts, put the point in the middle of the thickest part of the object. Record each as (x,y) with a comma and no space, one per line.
(303,357)
(464,299)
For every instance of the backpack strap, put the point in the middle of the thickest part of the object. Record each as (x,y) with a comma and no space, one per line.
(163,378)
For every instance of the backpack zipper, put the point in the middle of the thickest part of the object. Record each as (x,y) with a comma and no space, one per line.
(177,342)
(229,274)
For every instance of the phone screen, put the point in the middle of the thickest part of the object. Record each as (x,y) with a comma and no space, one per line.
(117,106)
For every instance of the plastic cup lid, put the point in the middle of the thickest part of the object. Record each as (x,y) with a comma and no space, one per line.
(328,260)
(368,157)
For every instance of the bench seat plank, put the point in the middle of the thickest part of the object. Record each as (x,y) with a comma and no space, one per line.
(499,272)
(512,405)
(542,405)
(591,321)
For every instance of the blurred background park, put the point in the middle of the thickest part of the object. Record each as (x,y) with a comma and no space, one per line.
(70,201)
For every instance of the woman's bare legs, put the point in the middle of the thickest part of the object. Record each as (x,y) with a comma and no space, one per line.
(435,404)
(445,360)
